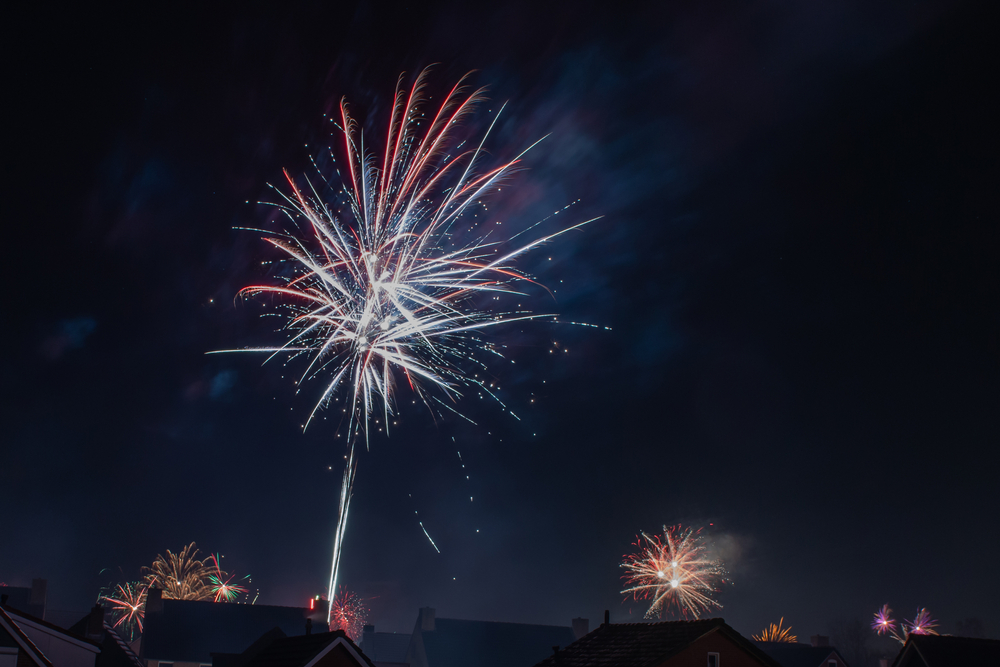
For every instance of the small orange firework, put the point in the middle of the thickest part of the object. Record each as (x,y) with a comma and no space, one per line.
(776,632)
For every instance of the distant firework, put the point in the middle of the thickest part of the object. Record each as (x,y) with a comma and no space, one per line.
(128,606)
(777,633)
(348,613)
(674,572)
(181,576)
(922,624)
(221,583)
(393,271)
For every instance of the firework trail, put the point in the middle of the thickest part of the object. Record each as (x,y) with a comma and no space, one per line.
(387,291)
(674,571)
(128,604)
(221,584)
(776,633)
(181,576)
(922,624)
(348,613)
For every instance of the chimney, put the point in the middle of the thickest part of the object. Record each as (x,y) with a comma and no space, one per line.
(95,623)
(427,619)
(3,599)
(819,640)
(309,626)
(607,617)
(36,603)
(581,626)
(154,601)
(318,608)
(555,650)
(368,641)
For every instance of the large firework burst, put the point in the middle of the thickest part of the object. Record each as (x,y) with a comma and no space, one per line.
(181,576)
(390,272)
(674,571)
(386,290)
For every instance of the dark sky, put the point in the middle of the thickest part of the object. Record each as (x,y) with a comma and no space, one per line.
(798,261)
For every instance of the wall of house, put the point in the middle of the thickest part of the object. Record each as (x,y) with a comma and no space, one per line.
(730,653)
(840,663)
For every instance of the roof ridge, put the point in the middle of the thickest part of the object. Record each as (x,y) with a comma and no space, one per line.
(534,625)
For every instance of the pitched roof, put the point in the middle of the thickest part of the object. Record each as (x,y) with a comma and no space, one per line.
(644,644)
(944,650)
(301,651)
(190,630)
(12,630)
(461,643)
(794,654)
(115,651)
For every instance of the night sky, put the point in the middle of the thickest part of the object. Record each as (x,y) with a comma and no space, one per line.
(798,262)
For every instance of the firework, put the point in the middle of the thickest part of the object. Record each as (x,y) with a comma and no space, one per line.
(922,624)
(128,604)
(348,613)
(674,571)
(221,583)
(777,633)
(181,576)
(388,282)
(883,622)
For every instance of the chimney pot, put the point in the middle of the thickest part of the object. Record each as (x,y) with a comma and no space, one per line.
(3,598)
(95,623)
(154,600)
(36,602)
(309,626)
(607,617)
(368,641)
(819,640)
(555,649)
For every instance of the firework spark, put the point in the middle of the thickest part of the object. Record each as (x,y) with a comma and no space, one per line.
(221,583)
(674,571)
(922,624)
(181,576)
(348,613)
(128,604)
(776,632)
(388,284)
(883,622)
